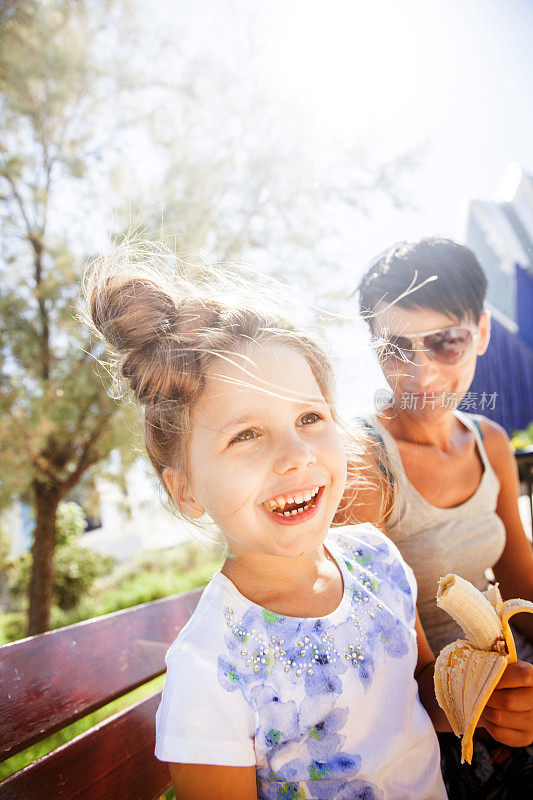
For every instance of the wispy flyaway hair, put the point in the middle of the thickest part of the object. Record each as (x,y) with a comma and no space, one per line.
(166,324)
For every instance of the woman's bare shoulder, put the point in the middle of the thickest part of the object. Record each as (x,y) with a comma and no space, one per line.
(496,443)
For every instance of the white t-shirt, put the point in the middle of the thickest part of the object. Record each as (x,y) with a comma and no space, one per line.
(324,708)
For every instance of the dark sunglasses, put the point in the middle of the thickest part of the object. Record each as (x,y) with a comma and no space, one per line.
(446,345)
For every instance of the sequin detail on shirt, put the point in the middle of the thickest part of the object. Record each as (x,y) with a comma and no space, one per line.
(294,673)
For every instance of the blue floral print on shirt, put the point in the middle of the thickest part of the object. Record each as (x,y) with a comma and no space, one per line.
(291,670)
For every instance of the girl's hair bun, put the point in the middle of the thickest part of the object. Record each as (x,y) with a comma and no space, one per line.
(131,313)
(138,318)
(159,327)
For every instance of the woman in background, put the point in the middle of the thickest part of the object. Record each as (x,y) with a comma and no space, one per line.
(456,483)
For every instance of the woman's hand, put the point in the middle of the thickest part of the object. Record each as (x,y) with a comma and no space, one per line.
(508,715)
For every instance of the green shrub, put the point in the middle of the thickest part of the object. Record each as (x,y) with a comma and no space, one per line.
(18,577)
(5,547)
(13,625)
(70,522)
(148,576)
(76,568)
(521,439)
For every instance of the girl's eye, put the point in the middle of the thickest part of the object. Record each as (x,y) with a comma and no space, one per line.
(244,436)
(309,419)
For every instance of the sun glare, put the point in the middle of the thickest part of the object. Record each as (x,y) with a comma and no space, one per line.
(357,70)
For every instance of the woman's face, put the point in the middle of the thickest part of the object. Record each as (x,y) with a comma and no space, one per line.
(423,386)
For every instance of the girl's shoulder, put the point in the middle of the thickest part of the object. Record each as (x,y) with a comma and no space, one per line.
(203,634)
(366,535)
(364,547)
(201,718)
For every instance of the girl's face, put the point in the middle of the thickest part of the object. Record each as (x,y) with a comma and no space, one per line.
(266,461)
(423,386)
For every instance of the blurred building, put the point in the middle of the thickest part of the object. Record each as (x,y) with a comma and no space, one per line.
(500,232)
(132,519)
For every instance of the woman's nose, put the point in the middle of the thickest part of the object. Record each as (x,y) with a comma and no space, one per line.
(420,361)
(293,454)
(421,367)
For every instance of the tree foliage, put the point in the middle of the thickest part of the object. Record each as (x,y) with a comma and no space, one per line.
(186,145)
(76,567)
(57,418)
(234,177)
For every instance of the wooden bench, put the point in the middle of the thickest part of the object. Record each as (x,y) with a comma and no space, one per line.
(51,680)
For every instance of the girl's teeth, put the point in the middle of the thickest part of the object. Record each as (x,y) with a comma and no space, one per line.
(277,505)
(294,512)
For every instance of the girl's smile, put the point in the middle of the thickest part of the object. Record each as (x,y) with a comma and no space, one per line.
(265,460)
(295,507)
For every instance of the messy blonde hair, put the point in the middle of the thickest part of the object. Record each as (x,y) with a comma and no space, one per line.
(165,325)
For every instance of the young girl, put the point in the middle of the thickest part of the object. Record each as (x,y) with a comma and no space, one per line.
(295,677)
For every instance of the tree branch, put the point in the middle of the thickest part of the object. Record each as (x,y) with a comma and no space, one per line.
(19,201)
(88,456)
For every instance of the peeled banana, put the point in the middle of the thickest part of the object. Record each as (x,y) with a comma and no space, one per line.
(468,670)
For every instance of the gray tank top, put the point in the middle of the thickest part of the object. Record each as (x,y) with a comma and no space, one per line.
(466,539)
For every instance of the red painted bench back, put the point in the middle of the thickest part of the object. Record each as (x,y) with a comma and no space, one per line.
(51,680)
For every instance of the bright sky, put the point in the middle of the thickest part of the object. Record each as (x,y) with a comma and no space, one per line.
(450,79)
(453,78)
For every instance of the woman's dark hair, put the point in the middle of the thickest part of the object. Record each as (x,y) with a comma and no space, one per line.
(458,290)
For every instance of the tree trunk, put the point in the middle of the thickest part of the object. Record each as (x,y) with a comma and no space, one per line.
(46,500)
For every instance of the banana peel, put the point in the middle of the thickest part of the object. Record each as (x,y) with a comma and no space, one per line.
(468,670)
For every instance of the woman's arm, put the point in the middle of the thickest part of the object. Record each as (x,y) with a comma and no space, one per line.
(514,570)
(207,781)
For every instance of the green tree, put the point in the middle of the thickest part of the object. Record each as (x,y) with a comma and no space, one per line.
(76,568)
(231,172)
(57,419)
(235,178)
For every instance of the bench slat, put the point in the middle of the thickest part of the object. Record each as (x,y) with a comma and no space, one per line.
(51,680)
(113,760)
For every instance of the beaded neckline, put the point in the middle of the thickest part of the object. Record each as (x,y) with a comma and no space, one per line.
(304,646)
(264,612)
